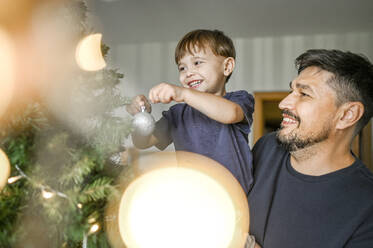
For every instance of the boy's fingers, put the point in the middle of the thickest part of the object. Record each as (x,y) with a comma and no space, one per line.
(166,97)
(137,102)
(148,108)
(153,95)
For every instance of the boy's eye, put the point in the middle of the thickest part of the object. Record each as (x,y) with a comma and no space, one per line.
(181,68)
(198,62)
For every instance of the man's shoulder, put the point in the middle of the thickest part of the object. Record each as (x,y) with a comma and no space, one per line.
(365,174)
(267,150)
(267,140)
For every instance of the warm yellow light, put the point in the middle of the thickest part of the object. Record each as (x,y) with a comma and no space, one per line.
(14,179)
(48,194)
(193,203)
(79,205)
(94,228)
(88,53)
(4,168)
(91,220)
(7,70)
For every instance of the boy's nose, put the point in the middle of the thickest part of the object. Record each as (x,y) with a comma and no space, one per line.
(190,73)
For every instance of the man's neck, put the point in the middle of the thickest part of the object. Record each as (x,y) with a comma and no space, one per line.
(321,159)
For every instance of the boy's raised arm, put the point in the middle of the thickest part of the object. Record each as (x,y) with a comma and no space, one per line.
(213,106)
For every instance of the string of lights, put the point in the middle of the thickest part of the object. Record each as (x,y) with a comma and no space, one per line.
(48,193)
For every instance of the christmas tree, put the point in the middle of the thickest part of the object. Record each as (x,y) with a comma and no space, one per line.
(64,164)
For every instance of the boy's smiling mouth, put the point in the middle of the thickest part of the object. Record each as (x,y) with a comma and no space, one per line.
(194,84)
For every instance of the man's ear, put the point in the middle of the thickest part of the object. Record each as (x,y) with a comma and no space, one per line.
(229,64)
(350,114)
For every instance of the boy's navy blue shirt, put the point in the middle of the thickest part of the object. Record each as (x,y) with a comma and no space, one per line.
(292,210)
(192,131)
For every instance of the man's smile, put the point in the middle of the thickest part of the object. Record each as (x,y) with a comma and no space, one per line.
(289,118)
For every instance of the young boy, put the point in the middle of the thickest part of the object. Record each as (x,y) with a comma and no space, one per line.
(207,119)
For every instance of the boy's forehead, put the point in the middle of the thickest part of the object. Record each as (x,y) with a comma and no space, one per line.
(196,51)
(194,48)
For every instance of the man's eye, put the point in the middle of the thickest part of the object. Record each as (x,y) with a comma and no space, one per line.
(304,94)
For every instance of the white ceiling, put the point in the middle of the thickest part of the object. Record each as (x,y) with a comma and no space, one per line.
(133,21)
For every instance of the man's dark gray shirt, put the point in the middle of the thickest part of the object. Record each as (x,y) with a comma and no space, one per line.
(292,210)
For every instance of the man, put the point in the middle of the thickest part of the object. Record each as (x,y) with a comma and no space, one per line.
(309,189)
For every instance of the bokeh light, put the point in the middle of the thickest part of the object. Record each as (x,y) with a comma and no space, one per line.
(184,200)
(4,169)
(7,70)
(88,53)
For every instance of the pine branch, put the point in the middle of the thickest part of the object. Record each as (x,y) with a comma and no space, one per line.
(97,190)
(83,163)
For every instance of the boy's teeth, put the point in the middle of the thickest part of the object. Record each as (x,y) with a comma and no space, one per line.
(195,83)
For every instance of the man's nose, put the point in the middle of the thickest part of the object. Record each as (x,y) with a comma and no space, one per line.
(287,103)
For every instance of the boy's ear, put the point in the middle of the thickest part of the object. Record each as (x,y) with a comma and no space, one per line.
(229,64)
(350,114)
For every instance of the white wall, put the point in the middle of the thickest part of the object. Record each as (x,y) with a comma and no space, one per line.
(263,63)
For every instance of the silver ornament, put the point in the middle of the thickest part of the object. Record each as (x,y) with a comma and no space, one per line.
(143,123)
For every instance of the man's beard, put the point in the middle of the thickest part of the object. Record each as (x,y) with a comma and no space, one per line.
(293,142)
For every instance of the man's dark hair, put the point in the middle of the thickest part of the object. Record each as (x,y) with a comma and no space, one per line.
(216,40)
(352,80)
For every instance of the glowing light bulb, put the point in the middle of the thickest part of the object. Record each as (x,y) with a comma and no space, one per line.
(14,179)
(88,53)
(94,228)
(48,194)
(195,202)
(91,220)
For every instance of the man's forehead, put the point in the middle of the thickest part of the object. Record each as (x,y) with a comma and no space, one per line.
(312,76)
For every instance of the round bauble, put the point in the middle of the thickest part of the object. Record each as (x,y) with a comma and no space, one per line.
(143,124)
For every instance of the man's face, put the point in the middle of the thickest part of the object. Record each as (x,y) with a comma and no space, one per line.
(203,71)
(308,111)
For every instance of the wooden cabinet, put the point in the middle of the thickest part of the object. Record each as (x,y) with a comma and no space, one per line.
(267,118)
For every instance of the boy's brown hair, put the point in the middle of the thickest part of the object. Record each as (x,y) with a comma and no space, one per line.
(217,41)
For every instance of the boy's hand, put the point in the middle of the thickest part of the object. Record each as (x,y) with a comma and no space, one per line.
(165,93)
(137,103)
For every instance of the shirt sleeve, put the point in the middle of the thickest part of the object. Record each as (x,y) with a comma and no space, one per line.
(246,101)
(162,132)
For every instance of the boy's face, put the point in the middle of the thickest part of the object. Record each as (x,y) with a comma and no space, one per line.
(204,71)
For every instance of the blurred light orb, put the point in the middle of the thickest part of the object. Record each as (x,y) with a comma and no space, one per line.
(88,53)
(185,200)
(7,70)
(4,169)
